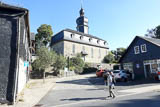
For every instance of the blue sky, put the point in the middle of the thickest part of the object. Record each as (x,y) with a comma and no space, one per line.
(116,21)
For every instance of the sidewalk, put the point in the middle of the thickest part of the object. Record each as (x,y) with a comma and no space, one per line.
(34,91)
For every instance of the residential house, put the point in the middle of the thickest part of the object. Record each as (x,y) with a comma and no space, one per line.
(142,57)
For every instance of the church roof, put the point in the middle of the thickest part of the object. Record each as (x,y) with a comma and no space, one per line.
(80,33)
(60,37)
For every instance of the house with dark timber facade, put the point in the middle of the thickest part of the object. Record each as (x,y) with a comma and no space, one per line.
(142,58)
(14,51)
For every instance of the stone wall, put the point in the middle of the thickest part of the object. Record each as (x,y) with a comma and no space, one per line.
(98,53)
(103,65)
(58,47)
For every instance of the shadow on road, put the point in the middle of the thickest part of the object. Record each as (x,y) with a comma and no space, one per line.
(152,102)
(81,99)
(78,82)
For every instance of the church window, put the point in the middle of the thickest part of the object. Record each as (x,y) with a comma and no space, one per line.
(99,53)
(91,52)
(105,43)
(83,49)
(73,48)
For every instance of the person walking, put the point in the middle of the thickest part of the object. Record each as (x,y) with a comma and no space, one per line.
(111,85)
(105,77)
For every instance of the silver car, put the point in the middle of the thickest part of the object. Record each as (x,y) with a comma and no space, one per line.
(121,75)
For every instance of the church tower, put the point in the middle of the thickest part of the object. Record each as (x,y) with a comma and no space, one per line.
(82,22)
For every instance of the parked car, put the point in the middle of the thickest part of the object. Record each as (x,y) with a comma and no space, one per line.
(121,75)
(100,72)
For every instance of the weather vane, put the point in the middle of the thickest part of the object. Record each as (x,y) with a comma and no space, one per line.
(81,3)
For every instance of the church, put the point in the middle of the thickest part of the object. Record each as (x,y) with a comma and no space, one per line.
(69,42)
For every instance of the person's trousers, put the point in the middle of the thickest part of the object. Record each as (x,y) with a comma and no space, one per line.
(111,93)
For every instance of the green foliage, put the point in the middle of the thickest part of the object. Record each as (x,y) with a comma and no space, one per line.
(157,32)
(79,55)
(43,37)
(44,61)
(77,63)
(87,65)
(48,59)
(109,58)
(45,57)
(60,63)
(118,53)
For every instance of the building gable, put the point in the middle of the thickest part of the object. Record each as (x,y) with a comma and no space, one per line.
(152,50)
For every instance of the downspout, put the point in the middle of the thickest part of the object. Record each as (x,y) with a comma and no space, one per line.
(17,69)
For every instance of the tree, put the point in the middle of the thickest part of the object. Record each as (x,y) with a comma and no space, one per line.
(44,60)
(118,53)
(60,63)
(109,58)
(154,33)
(77,64)
(43,37)
(157,32)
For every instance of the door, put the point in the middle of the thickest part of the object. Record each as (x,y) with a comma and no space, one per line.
(148,71)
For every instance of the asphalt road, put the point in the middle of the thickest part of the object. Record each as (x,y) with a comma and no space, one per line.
(91,92)
(151,99)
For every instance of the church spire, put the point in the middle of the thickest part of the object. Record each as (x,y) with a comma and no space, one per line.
(82,22)
(82,10)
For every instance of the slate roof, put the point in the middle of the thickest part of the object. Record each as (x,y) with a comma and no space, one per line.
(16,9)
(60,36)
(7,6)
(151,40)
(88,35)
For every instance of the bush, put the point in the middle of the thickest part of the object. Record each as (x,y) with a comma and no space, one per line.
(60,63)
(109,58)
(77,63)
